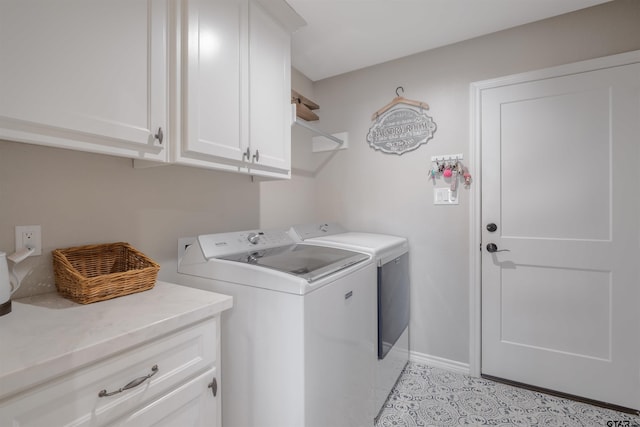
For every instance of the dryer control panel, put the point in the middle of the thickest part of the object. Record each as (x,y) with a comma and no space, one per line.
(310,231)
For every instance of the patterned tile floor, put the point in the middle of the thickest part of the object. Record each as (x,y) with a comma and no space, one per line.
(426,396)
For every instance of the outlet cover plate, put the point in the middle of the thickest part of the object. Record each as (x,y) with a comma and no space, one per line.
(29,236)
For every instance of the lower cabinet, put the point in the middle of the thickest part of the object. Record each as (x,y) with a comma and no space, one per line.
(188,405)
(171,380)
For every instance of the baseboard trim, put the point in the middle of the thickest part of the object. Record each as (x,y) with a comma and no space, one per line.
(564,395)
(440,362)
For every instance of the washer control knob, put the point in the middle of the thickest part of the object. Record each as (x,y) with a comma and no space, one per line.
(253,238)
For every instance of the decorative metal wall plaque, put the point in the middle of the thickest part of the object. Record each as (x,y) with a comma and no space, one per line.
(399,130)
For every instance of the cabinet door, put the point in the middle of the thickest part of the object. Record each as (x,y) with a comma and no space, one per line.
(270,92)
(213,101)
(75,399)
(85,74)
(192,404)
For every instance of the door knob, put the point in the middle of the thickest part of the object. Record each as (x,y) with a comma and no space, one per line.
(492,247)
(492,227)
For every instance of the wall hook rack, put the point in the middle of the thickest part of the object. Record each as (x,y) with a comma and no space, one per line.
(450,166)
(447,158)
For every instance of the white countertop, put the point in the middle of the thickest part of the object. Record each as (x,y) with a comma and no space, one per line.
(47,335)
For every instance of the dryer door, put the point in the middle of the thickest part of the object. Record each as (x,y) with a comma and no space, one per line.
(393,302)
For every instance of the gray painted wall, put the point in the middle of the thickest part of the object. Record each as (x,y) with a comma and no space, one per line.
(370,191)
(83,198)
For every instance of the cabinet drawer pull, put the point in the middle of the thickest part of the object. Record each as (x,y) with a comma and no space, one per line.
(132,384)
(159,136)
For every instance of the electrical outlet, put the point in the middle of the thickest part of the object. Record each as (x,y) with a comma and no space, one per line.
(29,236)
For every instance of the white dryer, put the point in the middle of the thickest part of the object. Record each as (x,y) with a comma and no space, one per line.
(391,254)
(298,347)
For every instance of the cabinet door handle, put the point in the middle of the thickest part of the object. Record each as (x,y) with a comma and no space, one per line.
(246,155)
(256,157)
(213,385)
(159,135)
(132,384)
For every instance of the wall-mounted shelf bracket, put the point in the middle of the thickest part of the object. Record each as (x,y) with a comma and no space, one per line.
(304,124)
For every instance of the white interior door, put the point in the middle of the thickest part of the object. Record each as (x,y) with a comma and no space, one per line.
(560,179)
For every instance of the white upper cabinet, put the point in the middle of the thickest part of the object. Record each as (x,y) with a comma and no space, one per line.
(269,94)
(209,80)
(210,83)
(88,75)
(233,88)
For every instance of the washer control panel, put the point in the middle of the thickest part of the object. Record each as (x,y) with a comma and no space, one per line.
(223,244)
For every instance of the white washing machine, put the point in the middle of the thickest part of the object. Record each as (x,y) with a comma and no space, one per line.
(299,345)
(391,254)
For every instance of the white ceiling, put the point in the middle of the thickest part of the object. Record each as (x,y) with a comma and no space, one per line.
(346,35)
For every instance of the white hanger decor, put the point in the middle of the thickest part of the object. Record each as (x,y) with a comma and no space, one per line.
(397,130)
(399,100)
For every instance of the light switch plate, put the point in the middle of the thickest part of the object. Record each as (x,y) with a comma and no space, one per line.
(444,196)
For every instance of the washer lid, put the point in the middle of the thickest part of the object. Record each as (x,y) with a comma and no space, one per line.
(310,262)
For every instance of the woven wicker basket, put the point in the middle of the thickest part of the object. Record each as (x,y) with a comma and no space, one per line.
(92,273)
